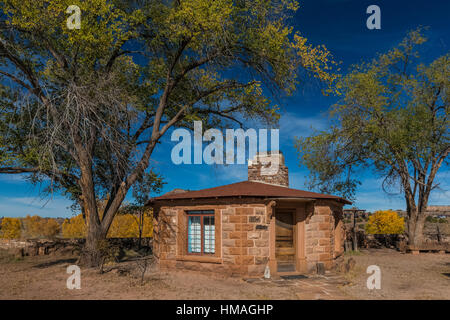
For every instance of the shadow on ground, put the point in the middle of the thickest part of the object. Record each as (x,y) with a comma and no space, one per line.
(55,262)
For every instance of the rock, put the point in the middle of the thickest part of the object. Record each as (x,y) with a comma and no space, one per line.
(320,268)
(66,251)
(340,264)
(32,250)
(42,250)
(351,264)
(19,253)
(402,246)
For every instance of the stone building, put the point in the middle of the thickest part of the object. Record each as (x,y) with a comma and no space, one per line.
(240,228)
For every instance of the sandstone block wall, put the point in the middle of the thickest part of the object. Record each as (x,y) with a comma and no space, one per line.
(245,239)
(321,234)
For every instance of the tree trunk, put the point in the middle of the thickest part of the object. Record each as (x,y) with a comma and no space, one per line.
(420,224)
(416,224)
(91,255)
(354,233)
(141,227)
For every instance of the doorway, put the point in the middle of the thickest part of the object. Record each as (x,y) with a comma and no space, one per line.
(284,240)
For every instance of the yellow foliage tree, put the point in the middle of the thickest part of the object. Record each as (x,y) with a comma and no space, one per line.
(10,228)
(123,226)
(37,227)
(74,227)
(127,226)
(385,222)
(147,228)
(50,228)
(31,226)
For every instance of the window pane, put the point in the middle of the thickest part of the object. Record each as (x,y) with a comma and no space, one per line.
(194,234)
(209,234)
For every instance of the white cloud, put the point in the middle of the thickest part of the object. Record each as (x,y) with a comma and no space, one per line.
(228,173)
(440,197)
(372,197)
(378,200)
(292,125)
(22,206)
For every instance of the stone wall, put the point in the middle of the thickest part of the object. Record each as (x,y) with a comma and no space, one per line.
(246,239)
(320,234)
(269,169)
(7,244)
(33,247)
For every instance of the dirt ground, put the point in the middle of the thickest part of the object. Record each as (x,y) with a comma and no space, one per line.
(403,276)
(426,276)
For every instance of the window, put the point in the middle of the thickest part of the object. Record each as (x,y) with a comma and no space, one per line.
(201,232)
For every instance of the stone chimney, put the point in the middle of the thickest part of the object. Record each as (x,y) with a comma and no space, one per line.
(268,168)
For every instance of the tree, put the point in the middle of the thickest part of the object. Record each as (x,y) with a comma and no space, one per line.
(141,192)
(124,225)
(385,222)
(393,118)
(127,226)
(74,228)
(50,228)
(86,107)
(10,228)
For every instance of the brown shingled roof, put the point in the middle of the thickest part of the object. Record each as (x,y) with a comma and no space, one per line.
(248,189)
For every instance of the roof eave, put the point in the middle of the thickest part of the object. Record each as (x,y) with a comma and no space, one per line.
(151,202)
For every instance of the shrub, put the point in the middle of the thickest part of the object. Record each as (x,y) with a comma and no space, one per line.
(431,219)
(385,222)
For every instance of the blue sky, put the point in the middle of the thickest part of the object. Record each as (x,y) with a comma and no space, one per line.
(341,26)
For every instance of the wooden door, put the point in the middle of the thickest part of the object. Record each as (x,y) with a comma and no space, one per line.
(284,239)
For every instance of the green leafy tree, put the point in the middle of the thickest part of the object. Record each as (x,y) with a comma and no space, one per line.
(87,107)
(393,118)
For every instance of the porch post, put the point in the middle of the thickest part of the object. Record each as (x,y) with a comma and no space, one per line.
(272,259)
(300,256)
